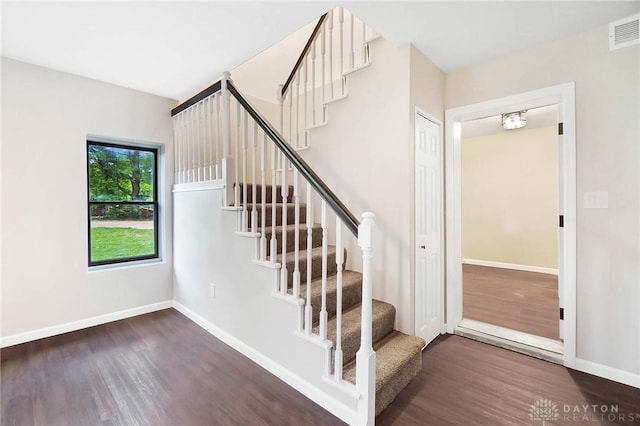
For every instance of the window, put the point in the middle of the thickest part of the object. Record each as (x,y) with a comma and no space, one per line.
(122,203)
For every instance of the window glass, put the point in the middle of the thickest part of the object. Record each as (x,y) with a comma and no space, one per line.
(122,201)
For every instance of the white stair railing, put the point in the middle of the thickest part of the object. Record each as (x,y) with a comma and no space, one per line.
(312,82)
(211,135)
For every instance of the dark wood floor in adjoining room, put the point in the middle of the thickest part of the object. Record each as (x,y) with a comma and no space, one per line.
(519,300)
(162,369)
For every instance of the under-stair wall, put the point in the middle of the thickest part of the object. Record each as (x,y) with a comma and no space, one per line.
(218,286)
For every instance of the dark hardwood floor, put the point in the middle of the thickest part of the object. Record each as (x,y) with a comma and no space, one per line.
(162,369)
(520,300)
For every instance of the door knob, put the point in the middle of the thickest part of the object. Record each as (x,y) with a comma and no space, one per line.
(423,247)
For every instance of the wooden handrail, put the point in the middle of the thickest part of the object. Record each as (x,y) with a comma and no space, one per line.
(305,170)
(214,88)
(312,38)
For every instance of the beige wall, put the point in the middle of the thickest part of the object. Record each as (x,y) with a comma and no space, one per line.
(608,131)
(510,197)
(46,116)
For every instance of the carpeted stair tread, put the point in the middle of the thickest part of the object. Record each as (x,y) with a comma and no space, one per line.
(316,263)
(384,315)
(351,292)
(269,193)
(398,361)
(316,236)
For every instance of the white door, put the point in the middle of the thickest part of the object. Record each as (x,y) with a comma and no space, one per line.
(428,229)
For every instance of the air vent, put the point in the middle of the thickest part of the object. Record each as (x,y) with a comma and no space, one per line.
(625,32)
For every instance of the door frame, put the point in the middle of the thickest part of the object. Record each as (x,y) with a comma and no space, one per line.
(564,96)
(441,288)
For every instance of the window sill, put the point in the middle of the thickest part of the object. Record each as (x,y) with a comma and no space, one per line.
(127,265)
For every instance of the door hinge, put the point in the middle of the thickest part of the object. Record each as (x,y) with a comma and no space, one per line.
(560,128)
(561,221)
(561,314)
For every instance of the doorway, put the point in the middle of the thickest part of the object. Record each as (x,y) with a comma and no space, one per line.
(562,349)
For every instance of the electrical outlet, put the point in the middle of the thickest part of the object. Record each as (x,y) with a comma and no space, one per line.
(212,290)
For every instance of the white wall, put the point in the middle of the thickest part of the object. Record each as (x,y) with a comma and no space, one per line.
(510,197)
(608,130)
(46,116)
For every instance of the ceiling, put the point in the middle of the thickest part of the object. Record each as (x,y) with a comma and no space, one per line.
(174,49)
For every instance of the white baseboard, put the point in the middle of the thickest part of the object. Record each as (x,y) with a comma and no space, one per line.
(607,372)
(41,333)
(515,266)
(296,382)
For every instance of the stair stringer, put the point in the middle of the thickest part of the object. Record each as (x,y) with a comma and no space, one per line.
(243,311)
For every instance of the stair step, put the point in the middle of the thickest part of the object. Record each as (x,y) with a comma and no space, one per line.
(269,193)
(316,236)
(351,293)
(384,315)
(398,361)
(316,263)
(291,209)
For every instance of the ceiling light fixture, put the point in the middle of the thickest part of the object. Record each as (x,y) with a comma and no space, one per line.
(514,120)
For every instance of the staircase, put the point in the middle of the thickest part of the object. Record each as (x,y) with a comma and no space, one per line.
(355,363)
(398,356)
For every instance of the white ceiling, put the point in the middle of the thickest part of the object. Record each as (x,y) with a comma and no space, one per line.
(174,49)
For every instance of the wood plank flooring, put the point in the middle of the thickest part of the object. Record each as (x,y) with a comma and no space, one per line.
(520,300)
(465,382)
(162,369)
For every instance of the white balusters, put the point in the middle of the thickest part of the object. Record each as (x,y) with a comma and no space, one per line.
(215,135)
(330,24)
(323,52)
(341,47)
(313,89)
(296,236)
(284,190)
(236,195)
(297,126)
(225,129)
(338,358)
(325,242)
(245,148)
(254,210)
(305,91)
(365,46)
(263,198)
(308,310)
(273,248)
(351,42)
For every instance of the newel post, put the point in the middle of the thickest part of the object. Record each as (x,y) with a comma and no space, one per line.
(366,357)
(228,162)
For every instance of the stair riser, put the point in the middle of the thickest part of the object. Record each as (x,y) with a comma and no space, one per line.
(351,295)
(351,342)
(316,239)
(269,194)
(390,390)
(268,215)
